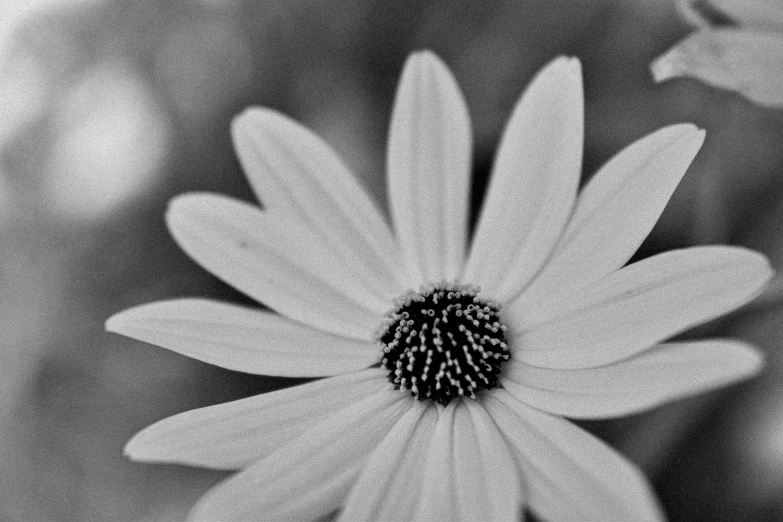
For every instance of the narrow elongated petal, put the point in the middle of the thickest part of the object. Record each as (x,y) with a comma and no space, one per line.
(569,474)
(428,161)
(749,62)
(276,261)
(234,434)
(640,305)
(389,487)
(311,475)
(614,214)
(243,339)
(534,182)
(296,174)
(469,473)
(667,372)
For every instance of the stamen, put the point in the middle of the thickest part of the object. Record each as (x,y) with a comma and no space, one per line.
(443,342)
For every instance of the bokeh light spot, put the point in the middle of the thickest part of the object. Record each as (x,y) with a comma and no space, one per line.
(111,139)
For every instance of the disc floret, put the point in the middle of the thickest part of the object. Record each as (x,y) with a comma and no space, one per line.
(443,342)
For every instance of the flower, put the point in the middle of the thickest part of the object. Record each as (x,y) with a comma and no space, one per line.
(449,366)
(738,46)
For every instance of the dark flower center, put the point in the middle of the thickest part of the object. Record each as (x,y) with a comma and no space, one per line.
(443,342)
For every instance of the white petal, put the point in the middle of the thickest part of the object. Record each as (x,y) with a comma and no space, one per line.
(276,261)
(569,474)
(469,473)
(614,213)
(534,182)
(390,484)
(296,174)
(234,434)
(243,339)
(748,62)
(758,14)
(638,306)
(429,161)
(310,476)
(667,372)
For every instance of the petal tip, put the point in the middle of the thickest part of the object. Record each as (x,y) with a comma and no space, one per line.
(122,322)
(697,136)
(560,81)
(758,262)
(114,323)
(178,202)
(756,361)
(244,114)
(133,449)
(748,361)
(424,63)
(686,137)
(253,119)
(175,209)
(662,68)
(685,130)
(425,55)
(142,447)
(765,264)
(564,65)
(241,120)
(682,129)
(189,204)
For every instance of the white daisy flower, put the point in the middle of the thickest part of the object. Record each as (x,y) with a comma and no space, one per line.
(450,366)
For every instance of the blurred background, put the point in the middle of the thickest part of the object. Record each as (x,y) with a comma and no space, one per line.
(110,108)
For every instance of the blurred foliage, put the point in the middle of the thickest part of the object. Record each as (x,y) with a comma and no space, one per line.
(110,108)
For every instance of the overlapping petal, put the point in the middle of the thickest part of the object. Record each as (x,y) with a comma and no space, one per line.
(276,261)
(664,373)
(638,306)
(243,339)
(614,213)
(310,476)
(390,485)
(296,174)
(747,61)
(235,434)
(534,183)
(428,162)
(469,473)
(760,14)
(568,473)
